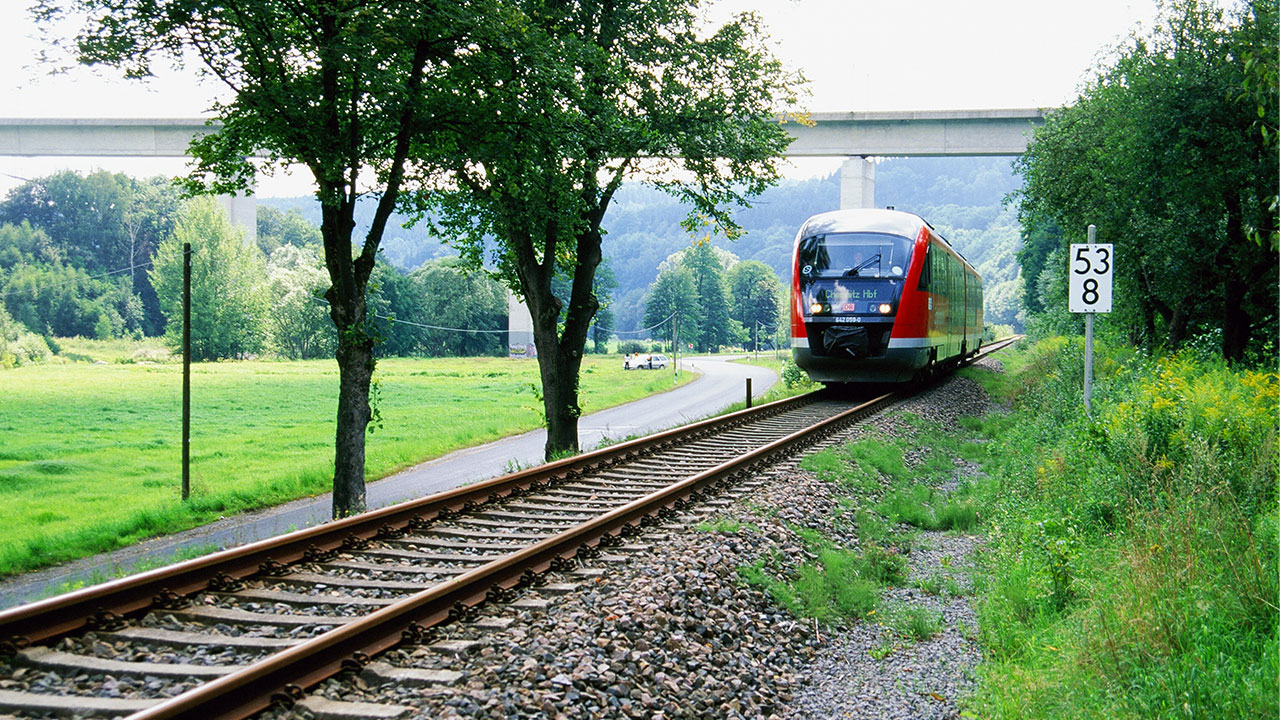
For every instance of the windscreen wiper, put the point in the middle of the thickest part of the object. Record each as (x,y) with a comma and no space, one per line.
(862,265)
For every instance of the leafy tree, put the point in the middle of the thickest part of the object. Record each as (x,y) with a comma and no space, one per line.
(296,320)
(57,299)
(18,346)
(714,322)
(228,293)
(675,292)
(453,296)
(83,215)
(757,294)
(576,98)
(23,244)
(1040,236)
(602,325)
(100,223)
(1256,47)
(1162,154)
(342,87)
(277,228)
(393,295)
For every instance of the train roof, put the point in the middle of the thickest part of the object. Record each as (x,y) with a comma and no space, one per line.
(894,222)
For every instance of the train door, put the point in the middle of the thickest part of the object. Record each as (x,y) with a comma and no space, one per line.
(938,301)
(949,290)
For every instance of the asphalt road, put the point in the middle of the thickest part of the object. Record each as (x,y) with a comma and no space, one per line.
(721,384)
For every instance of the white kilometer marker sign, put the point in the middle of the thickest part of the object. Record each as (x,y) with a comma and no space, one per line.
(1090,268)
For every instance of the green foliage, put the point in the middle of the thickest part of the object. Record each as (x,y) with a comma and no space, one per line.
(88,225)
(50,296)
(1132,562)
(840,584)
(443,293)
(18,346)
(757,296)
(915,622)
(277,228)
(297,315)
(693,284)
(602,326)
(714,327)
(673,293)
(1161,153)
(793,377)
(228,293)
(346,89)
(601,93)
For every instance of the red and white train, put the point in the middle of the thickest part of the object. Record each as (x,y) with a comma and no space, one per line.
(879,296)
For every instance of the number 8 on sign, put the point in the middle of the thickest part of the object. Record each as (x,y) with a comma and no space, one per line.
(1090,273)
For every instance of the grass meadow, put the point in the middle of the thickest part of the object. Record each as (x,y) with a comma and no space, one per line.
(91,453)
(1132,555)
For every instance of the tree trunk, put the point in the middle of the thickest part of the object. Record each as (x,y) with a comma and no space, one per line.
(560,351)
(1244,282)
(1177,330)
(560,402)
(355,372)
(347,309)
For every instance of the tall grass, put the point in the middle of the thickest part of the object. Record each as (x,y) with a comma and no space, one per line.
(1133,559)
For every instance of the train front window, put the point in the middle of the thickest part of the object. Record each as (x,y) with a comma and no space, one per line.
(843,255)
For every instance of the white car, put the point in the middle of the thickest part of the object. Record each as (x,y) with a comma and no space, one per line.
(656,362)
(644,362)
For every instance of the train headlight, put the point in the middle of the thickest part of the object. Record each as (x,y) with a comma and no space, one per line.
(885,308)
(816,308)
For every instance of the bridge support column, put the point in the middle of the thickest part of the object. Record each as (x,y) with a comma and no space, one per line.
(242,211)
(519,329)
(857,183)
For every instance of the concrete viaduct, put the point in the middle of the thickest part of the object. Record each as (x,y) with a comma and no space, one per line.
(858,136)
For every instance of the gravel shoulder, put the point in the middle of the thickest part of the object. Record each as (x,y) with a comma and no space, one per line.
(669,629)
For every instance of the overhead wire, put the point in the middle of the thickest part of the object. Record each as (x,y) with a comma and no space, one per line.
(641,330)
(39,288)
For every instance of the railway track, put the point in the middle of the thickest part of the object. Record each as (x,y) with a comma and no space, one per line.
(228,635)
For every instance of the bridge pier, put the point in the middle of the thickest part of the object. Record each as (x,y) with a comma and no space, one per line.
(242,211)
(858,183)
(519,329)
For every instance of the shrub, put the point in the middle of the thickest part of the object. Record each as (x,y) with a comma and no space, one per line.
(793,377)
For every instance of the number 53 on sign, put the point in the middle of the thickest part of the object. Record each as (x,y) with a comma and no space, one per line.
(1090,270)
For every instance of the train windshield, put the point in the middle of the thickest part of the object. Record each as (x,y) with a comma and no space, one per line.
(874,255)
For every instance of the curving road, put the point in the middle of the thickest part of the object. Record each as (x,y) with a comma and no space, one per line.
(721,383)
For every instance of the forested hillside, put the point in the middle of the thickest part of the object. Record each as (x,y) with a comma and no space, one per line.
(962,197)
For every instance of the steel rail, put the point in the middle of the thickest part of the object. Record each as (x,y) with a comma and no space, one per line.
(287,674)
(101,605)
(284,675)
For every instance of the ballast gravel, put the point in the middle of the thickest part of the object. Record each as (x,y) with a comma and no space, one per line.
(670,630)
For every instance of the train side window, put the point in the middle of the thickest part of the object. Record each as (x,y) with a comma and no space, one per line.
(926,269)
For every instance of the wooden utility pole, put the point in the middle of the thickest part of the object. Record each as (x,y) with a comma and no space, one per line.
(186,370)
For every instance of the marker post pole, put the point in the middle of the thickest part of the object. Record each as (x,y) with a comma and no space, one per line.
(1088,340)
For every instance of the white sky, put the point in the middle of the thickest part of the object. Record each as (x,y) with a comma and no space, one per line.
(857,54)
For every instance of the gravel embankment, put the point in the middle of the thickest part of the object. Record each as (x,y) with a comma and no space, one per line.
(675,633)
